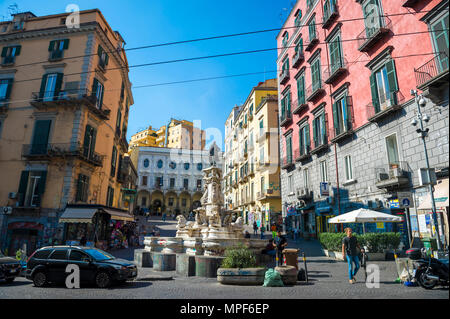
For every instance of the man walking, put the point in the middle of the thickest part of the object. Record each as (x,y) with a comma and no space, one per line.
(255,228)
(350,250)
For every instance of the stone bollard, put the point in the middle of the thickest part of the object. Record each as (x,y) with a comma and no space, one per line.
(185,265)
(143,258)
(288,274)
(164,262)
(206,266)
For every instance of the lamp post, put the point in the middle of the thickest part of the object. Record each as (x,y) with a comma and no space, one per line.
(421,102)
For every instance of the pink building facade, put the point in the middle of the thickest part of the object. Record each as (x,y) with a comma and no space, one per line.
(346,71)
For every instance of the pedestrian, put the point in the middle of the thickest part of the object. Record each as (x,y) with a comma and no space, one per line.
(255,228)
(350,251)
(280,243)
(270,249)
(274,231)
(164,217)
(262,230)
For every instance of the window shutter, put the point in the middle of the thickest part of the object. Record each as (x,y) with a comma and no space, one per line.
(86,146)
(4,51)
(43,82)
(23,187)
(94,138)
(119,118)
(94,87)
(289,105)
(314,128)
(59,79)
(392,80)
(336,119)
(51,46)
(283,110)
(307,138)
(18,49)
(41,134)
(41,185)
(66,44)
(9,88)
(349,111)
(78,196)
(99,51)
(374,90)
(324,139)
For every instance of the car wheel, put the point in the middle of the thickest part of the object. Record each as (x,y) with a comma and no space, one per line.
(40,279)
(103,279)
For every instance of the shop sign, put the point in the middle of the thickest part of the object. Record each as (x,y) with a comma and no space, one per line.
(324,189)
(380,225)
(394,203)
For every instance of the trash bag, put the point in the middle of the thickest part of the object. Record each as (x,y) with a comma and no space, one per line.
(272,279)
(301,275)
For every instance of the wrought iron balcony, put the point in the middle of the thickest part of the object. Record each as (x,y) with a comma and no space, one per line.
(286,118)
(297,59)
(302,154)
(391,105)
(8,60)
(299,106)
(334,71)
(320,143)
(287,162)
(284,76)
(312,43)
(392,176)
(329,16)
(344,130)
(371,35)
(304,193)
(433,73)
(56,55)
(42,100)
(64,150)
(314,91)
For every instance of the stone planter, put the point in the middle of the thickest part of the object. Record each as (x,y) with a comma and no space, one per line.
(241,276)
(288,274)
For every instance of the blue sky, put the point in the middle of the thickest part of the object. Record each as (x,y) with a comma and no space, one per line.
(152,22)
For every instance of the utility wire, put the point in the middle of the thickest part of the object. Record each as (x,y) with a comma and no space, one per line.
(230,76)
(210,57)
(220,37)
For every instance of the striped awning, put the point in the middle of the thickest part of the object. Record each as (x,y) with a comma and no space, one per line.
(78,215)
(117,215)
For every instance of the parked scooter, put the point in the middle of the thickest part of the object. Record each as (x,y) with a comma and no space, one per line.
(429,271)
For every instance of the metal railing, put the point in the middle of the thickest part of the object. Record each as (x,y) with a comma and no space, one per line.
(329,15)
(62,150)
(334,70)
(313,90)
(395,99)
(431,69)
(286,117)
(297,58)
(7,60)
(381,25)
(391,171)
(284,76)
(56,55)
(287,160)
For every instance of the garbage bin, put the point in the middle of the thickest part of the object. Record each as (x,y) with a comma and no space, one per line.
(291,257)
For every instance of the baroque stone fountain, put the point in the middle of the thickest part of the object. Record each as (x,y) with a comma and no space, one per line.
(212,231)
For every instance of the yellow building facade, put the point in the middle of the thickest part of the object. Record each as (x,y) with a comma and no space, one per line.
(251,176)
(63,123)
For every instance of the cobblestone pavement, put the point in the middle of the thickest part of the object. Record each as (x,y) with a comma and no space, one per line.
(327,280)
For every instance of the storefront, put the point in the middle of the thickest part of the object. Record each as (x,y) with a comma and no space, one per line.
(100,226)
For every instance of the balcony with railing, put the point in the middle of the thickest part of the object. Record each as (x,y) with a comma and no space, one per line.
(390,106)
(314,91)
(434,73)
(61,150)
(299,106)
(329,15)
(42,100)
(321,142)
(302,154)
(304,193)
(409,3)
(267,194)
(312,43)
(56,55)
(297,59)
(8,60)
(380,26)
(286,117)
(344,130)
(393,175)
(287,162)
(334,71)
(284,76)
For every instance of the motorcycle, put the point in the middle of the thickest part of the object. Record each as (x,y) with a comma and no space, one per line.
(428,271)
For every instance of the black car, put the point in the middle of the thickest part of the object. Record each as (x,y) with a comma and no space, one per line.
(9,268)
(49,264)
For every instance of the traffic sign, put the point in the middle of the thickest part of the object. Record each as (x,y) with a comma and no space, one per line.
(405,199)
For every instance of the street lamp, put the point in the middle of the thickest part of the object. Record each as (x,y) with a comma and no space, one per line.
(421,102)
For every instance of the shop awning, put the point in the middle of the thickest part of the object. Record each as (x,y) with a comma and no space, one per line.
(77,215)
(440,196)
(117,215)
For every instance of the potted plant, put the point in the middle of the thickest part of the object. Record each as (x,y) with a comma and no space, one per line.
(239,268)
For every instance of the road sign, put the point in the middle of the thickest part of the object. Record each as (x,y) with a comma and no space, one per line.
(405,199)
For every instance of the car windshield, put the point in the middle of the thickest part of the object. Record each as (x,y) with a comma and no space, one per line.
(99,255)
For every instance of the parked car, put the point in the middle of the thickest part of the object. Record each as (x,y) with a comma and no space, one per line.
(49,264)
(9,268)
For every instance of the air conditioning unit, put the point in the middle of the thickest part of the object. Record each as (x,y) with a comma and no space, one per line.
(382,176)
(12,195)
(7,210)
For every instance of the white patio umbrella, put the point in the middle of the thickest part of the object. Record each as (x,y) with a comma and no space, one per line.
(363,215)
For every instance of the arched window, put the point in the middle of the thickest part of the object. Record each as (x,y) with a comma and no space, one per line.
(199,166)
(186,166)
(146,163)
(160,164)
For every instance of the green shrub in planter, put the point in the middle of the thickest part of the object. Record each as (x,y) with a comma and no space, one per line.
(375,242)
(239,257)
